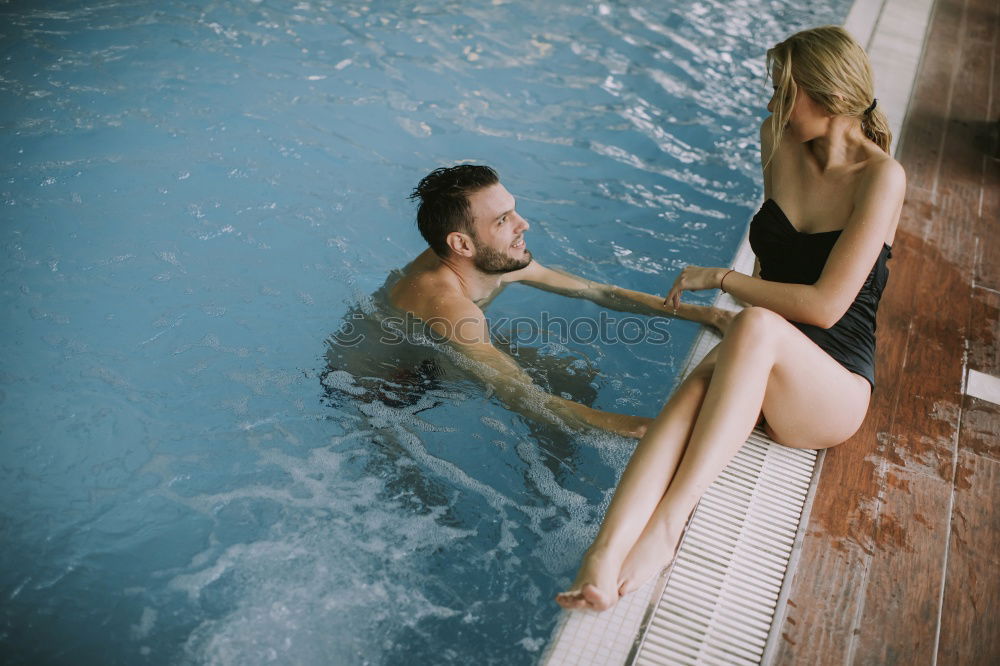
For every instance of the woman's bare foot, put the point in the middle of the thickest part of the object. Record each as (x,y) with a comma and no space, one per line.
(595,587)
(654,550)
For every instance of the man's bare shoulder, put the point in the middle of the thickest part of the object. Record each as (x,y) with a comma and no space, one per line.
(420,285)
(436,298)
(428,290)
(422,263)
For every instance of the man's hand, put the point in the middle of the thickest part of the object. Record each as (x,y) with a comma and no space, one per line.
(625,425)
(516,389)
(622,424)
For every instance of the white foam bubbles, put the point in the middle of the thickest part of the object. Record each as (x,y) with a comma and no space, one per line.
(340,575)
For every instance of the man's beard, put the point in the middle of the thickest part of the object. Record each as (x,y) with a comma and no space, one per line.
(493,262)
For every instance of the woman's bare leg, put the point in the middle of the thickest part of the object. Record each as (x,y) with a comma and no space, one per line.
(639,492)
(764,364)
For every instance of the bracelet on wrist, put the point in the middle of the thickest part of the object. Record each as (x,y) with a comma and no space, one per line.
(722,282)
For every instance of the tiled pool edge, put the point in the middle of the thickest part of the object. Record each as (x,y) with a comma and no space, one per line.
(885,29)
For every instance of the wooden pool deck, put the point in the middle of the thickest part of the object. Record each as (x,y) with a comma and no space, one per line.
(901,558)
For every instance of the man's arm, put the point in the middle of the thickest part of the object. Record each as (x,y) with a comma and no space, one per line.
(615,298)
(465,327)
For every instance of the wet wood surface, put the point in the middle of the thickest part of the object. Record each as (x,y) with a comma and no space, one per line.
(971,605)
(900,560)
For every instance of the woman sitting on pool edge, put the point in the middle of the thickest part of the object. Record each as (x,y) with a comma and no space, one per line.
(801,356)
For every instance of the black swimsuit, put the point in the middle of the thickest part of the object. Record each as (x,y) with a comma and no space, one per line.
(792,256)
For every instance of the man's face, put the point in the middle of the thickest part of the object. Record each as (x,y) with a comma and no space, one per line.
(498,231)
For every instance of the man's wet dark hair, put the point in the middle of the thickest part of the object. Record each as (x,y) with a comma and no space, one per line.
(444,201)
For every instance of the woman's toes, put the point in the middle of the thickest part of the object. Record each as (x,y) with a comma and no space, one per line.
(596,599)
(568,599)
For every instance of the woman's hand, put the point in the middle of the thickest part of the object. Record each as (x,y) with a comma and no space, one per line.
(693,278)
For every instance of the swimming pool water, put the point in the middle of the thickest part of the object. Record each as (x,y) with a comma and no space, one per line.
(195,199)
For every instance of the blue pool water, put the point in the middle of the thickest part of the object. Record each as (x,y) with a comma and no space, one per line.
(196,198)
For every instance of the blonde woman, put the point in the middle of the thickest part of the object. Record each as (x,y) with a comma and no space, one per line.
(801,355)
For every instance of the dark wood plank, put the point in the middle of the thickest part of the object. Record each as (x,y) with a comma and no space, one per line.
(818,618)
(984,329)
(981,429)
(904,579)
(981,419)
(971,610)
(925,417)
(987,234)
(899,619)
(982,17)
(988,251)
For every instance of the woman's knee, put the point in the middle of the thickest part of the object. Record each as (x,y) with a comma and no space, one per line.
(757,325)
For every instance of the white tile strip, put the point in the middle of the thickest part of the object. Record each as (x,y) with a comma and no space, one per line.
(892,32)
(895,50)
(983,386)
(719,600)
(862,19)
(588,637)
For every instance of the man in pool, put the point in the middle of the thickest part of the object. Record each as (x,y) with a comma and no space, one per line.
(477,248)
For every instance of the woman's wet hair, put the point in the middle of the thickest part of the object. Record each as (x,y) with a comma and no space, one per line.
(444,202)
(833,69)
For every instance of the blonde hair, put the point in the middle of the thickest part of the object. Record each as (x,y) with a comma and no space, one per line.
(834,71)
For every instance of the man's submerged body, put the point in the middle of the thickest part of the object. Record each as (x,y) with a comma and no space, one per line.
(476,256)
